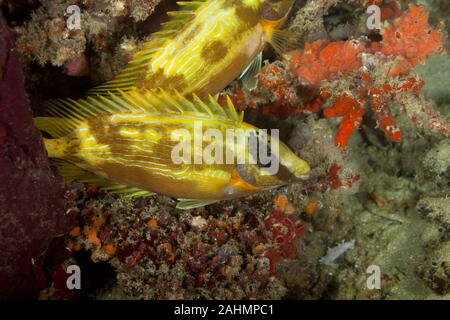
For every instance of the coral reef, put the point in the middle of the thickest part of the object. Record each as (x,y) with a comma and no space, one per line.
(31,202)
(391,181)
(350,78)
(340,101)
(163,253)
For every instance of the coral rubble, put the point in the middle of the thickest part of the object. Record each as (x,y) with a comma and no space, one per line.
(159,252)
(103,31)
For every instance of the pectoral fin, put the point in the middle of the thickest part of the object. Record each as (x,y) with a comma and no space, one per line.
(248,76)
(186,204)
(284,41)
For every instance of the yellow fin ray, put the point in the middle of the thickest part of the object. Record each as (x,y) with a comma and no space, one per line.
(126,79)
(69,113)
(190,5)
(186,204)
(248,76)
(284,41)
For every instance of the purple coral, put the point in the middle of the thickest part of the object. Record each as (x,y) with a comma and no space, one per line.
(31,194)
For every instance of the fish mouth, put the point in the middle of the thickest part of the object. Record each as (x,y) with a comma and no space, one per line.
(302,170)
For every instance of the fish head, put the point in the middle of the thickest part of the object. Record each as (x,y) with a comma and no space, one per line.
(273,164)
(275,11)
(270,10)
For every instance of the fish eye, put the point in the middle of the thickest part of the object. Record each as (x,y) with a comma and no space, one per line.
(261,140)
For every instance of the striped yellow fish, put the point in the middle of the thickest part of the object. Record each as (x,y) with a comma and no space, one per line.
(127,142)
(205,46)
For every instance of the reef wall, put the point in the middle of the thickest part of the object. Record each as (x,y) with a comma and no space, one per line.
(31,194)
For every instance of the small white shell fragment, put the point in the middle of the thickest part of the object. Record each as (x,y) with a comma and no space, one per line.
(199,223)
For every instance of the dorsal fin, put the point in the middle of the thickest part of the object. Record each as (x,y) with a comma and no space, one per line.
(136,68)
(68,113)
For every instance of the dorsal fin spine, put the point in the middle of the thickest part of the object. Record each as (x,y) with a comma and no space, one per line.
(134,103)
(86,108)
(64,109)
(102,104)
(231,107)
(199,101)
(168,98)
(140,101)
(118,99)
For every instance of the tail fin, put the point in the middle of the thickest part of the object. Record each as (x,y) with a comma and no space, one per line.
(58,128)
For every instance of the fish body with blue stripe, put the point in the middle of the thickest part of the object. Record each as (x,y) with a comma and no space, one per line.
(127,143)
(205,46)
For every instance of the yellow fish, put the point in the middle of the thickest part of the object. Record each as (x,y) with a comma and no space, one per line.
(205,46)
(152,141)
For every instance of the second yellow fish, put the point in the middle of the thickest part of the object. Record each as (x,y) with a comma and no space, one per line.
(205,46)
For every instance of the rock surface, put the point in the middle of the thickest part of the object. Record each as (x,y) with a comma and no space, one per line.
(31,194)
